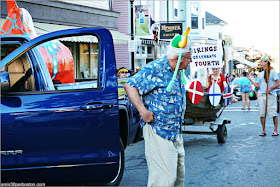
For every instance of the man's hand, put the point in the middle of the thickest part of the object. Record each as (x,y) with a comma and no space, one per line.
(268,90)
(135,99)
(147,116)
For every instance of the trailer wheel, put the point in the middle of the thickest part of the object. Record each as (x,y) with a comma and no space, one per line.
(222,133)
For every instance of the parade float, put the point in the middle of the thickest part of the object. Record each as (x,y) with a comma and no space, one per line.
(204,107)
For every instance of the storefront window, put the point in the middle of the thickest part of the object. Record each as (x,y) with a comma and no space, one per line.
(161,50)
(159,53)
(164,49)
(88,65)
(84,61)
(140,63)
(150,50)
(141,50)
(94,60)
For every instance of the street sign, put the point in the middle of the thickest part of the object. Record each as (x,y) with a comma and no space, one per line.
(215,94)
(227,95)
(169,30)
(131,46)
(195,92)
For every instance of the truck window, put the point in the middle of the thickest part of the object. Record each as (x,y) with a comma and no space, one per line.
(21,75)
(66,68)
(6,49)
(82,57)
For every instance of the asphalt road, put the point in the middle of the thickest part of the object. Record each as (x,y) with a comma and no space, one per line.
(245,159)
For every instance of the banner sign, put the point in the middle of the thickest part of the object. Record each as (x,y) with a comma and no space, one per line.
(169,30)
(207,56)
(142,20)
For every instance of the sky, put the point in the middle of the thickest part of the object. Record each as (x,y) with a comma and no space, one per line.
(250,23)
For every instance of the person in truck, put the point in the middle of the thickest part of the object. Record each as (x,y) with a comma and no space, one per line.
(162,112)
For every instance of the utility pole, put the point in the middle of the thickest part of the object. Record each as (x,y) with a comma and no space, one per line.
(132,31)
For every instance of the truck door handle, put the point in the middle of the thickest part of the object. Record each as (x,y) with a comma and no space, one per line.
(96,106)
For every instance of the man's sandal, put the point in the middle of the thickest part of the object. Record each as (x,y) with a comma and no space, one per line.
(262,134)
(274,134)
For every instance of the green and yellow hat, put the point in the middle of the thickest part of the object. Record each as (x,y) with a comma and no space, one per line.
(181,43)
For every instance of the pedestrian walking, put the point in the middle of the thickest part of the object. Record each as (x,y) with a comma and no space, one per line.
(246,87)
(267,82)
(227,76)
(229,80)
(162,112)
(257,91)
(233,77)
(252,74)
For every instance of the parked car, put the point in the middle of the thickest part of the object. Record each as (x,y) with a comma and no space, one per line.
(62,133)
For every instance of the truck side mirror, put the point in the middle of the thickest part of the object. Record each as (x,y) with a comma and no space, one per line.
(5,82)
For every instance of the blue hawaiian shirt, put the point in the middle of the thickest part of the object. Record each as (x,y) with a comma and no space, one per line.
(168,107)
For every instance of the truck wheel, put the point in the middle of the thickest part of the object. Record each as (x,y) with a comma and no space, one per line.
(119,176)
(222,133)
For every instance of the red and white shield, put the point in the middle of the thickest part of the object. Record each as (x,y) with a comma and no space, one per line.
(227,95)
(195,92)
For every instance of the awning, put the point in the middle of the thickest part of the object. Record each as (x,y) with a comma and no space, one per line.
(246,62)
(120,38)
(43,28)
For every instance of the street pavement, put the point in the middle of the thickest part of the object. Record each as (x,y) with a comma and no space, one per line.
(245,159)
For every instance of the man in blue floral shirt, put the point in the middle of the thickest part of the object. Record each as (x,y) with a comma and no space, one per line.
(162,114)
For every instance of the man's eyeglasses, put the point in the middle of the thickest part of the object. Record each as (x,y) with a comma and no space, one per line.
(124,72)
(189,58)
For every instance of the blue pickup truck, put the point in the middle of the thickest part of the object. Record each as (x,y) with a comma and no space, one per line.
(62,134)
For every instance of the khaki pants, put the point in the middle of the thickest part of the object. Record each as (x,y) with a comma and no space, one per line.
(271,105)
(165,159)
